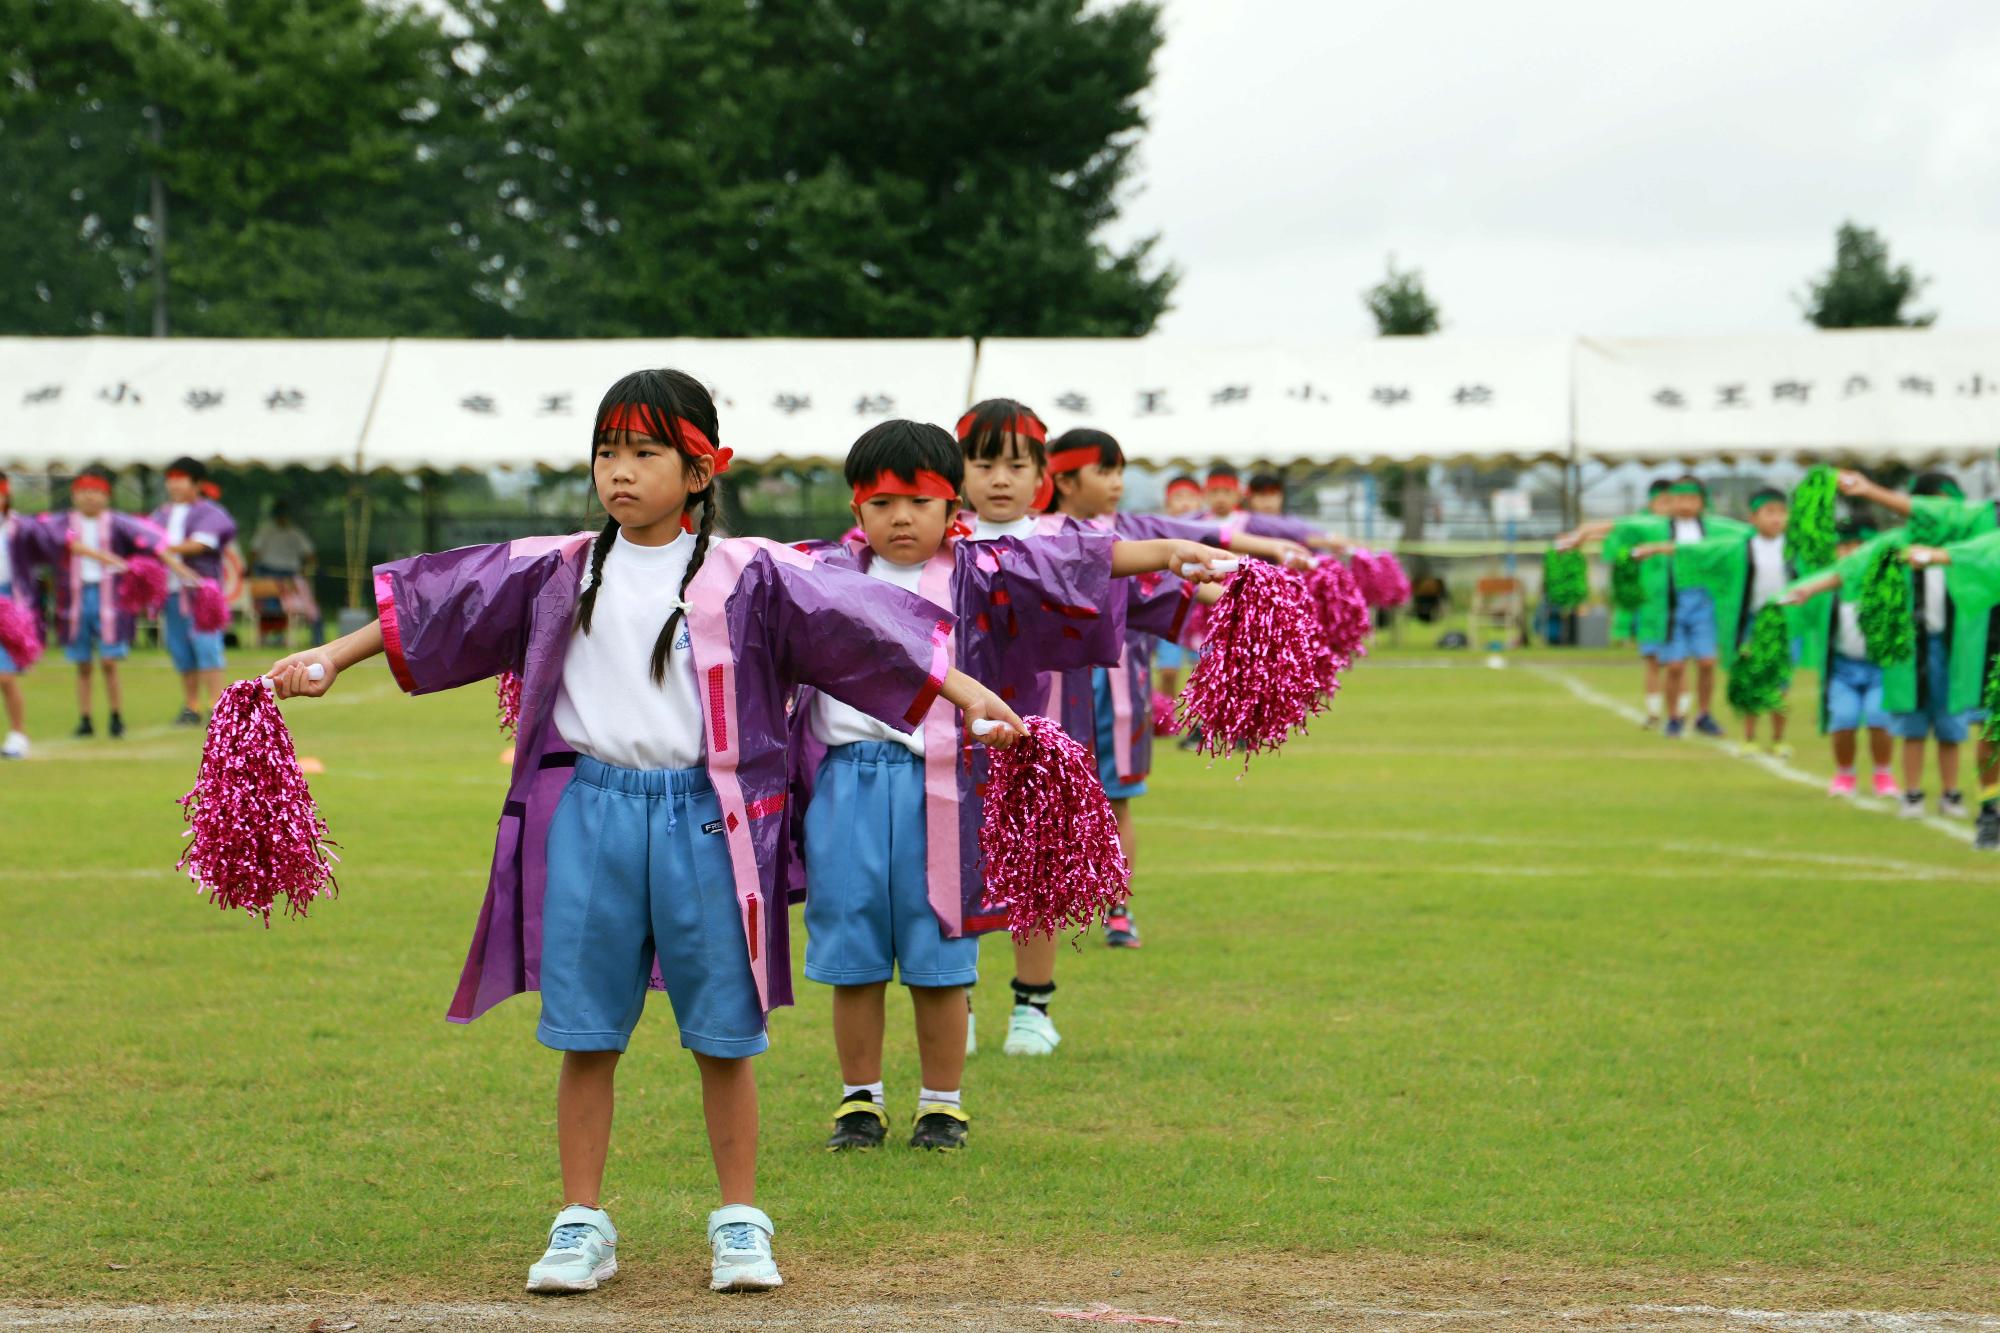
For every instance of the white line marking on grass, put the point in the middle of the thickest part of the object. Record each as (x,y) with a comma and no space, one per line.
(1827,1319)
(1776,767)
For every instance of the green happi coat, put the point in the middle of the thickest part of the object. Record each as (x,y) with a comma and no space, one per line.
(1939,520)
(1649,622)
(1721,563)
(1967,630)
(1813,627)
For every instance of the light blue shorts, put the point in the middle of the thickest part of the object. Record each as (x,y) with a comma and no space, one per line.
(191,649)
(1854,695)
(639,870)
(868,907)
(1692,635)
(1169,656)
(1107,748)
(1933,719)
(89,638)
(1651,649)
(7,667)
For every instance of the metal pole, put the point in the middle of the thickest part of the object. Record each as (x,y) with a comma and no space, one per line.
(159,227)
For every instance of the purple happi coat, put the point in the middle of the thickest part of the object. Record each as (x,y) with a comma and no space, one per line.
(762,619)
(130,536)
(1022,606)
(205,518)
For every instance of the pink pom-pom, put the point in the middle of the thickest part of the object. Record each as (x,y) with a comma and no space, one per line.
(1381,577)
(1343,612)
(1265,667)
(1164,721)
(1049,838)
(255,835)
(142,588)
(20,635)
(508,688)
(211,608)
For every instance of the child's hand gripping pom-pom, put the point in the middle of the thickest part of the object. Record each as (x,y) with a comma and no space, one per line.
(1343,612)
(1264,668)
(1381,577)
(255,835)
(1049,838)
(211,608)
(1565,579)
(1763,670)
(507,688)
(20,635)
(1809,535)
(142,588)
(1886,623)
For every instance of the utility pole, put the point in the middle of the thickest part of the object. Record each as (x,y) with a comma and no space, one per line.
(158,230)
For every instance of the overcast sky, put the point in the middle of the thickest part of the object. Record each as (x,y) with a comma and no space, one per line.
(1567,166)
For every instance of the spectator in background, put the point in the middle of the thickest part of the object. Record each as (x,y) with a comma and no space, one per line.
(281,550)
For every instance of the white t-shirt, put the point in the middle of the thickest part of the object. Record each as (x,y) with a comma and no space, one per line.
(1688,530)
(177,525)
(1848,642)
(833,722)
(6,560)
(1934,609)
(94,533)
(609,707)
(1024,526)
(1767,571)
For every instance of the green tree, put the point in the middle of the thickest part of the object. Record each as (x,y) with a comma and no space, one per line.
(1862,290)
(1402,308)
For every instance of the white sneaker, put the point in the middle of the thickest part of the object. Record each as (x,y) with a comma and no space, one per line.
(1954,807)
(1912,806)
(582,1253)
(1029,1032)
(972,1034)
(739,1239)
(16,746)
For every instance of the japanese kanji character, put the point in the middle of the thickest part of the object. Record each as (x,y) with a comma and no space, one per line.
(1073,402)
(479,403)
(1917,384)
(879,405)
(1153,403)
(1856,385)
(1670,397)
(1732,395)
(554,405)
(1977,387)
(200,400)
(285,400)
(123,393)
(1229,393)
(1390,394)
(1799,390)
(48,393)
(793,403)
(1473,395)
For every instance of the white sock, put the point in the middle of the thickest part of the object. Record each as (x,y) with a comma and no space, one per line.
(848,1091)
(1656,704)
(1848,771)
(1687,704)
(932,1097)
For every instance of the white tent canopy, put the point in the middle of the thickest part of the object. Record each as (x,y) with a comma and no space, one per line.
(414,403)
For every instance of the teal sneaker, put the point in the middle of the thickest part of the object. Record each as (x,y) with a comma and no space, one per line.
(739,1241)
(1029,1032)
(582,1253)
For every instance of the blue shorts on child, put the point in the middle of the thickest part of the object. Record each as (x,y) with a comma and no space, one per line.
(191,649)
(1107,739)
(89,638)
(1171,656)
(638,870)
(1692,634)
(868,907)
(1854,695)
(1934,718)
(7,667)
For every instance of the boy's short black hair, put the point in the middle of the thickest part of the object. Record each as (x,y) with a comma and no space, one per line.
(982,431)
(99,471)
(1223,470)
(194,467)
(1937,483)
(905,448)
(1657,487)
(1266,481)
(1109,455)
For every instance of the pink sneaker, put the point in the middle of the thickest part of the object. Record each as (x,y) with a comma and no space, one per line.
(1886,785)
(1842,785)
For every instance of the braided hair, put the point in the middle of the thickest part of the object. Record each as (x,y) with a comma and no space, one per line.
(662,399)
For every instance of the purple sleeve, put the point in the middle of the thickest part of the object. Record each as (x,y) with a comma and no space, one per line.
(214,520)
(36,541)
(1281,526)
(130,533)
(1159,604)
(1157,527)
(867,643)
(1061,592)
(459,616)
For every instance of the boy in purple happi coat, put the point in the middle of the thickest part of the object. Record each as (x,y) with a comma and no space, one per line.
(198,531)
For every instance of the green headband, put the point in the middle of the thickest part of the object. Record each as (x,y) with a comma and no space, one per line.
(1684,488)
(1765,497)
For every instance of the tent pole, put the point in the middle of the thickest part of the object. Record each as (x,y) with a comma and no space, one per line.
(357,493)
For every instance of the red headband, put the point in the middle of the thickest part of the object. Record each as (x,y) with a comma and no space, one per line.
(636,419)
(933,484)
(1177,487)
(1021,425)
(91,484)
(1267,488)
(1074,460)
(1222,481)
(210,489)
(5,486)
(1045,491)
(174,472)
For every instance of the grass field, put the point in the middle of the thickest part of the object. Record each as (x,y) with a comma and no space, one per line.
(1475,980)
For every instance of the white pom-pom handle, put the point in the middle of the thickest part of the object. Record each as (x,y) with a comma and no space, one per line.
(985,726)
(1213,567)
(314,671)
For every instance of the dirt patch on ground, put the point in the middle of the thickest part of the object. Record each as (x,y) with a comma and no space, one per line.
(1253,1292)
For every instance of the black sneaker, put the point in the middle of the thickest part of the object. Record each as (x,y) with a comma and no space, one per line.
(117,726)
(859,1123)
(1120,930)
(188,718)
(939,1128)
(84,728)
(1986,836)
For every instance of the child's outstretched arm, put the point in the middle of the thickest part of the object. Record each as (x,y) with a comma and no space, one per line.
(290,675)
(1191,560)
(980,704)
(1594,531)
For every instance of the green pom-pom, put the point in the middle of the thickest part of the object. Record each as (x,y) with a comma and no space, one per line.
(1991,702)
(1886,623)
(1809,536)
(1763,671)
(1565,579)
(1628,589)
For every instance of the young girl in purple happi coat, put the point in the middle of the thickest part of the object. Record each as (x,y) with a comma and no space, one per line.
(644,834)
